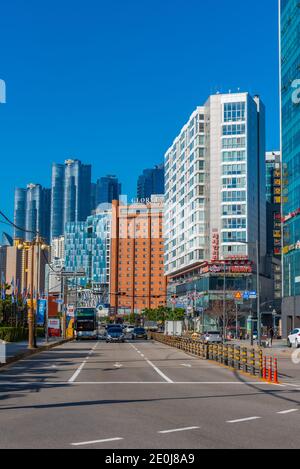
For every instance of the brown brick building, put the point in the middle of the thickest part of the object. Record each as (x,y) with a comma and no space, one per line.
(137,279)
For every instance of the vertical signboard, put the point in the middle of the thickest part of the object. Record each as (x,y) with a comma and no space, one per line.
(41,312)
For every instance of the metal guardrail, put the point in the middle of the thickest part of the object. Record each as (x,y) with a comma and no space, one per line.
(248,360)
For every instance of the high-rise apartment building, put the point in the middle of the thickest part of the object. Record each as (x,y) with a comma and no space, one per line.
(58,249)
(137,279)
(151,182)
(71,195)
(290,142)
(215,207)
(32,212)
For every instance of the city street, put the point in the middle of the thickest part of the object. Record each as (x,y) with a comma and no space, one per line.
(141,395)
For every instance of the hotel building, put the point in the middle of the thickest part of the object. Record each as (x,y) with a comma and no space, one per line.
(137,278)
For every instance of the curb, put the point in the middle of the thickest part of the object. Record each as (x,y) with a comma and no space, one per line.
(29,353)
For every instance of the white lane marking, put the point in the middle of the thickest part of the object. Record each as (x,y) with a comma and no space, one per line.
(168,380)
(249,419)
(292,385)
(77,372)
(88,443)
(284,412)
(175,430)
(187,366)
(118,365)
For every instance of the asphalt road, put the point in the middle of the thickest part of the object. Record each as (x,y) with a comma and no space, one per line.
(141,395)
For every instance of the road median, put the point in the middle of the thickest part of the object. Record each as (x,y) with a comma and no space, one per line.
(250,361)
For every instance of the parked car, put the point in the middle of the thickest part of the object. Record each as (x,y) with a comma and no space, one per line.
(139,333)
(294,338)
(115,334)
(212,337)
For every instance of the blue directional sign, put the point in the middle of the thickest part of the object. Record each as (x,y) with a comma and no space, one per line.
(252,295)
(246,295)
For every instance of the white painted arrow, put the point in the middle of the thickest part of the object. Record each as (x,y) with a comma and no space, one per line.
(118,365)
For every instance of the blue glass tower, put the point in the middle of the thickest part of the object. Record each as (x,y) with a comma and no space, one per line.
(32,212)
(20,212)
(290,118)
(71,195)
(151,182)
(87,247)
(106,190)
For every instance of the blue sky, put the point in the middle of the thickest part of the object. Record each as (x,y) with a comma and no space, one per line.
(112,82)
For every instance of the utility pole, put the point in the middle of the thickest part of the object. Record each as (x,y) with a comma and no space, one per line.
(258,293)
(31,334)
(65,306)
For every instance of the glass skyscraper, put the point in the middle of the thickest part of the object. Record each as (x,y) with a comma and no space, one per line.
(151,182)
(87,247)
(20,212)
(106,190)
(71,195)
(290,120)
(32,212)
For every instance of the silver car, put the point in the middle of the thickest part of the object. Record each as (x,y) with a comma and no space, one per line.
(213,337)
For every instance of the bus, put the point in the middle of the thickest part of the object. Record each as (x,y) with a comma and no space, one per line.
(85,325)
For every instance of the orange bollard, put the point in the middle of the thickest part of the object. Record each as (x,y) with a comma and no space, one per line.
(270,373)
(265,368)
(275,379)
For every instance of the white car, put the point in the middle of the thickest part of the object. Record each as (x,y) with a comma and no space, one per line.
(294,338)
(129,329)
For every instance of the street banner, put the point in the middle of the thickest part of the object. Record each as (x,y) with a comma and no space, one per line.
(41,312)
(54,327)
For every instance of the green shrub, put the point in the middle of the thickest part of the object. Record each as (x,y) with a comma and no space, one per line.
(17,334)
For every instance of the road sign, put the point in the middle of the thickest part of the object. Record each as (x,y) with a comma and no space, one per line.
(246,295)
(59,302)
(238,296)
(71,311)
(252,295)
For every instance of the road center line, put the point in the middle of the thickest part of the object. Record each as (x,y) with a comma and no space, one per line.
(168,380)
(175,430)
(249,419)
(88,443)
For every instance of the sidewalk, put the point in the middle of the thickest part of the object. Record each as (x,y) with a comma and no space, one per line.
(17,350)
(279,347)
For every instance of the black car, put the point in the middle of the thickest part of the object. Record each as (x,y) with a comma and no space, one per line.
(115,334)
(139,333)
